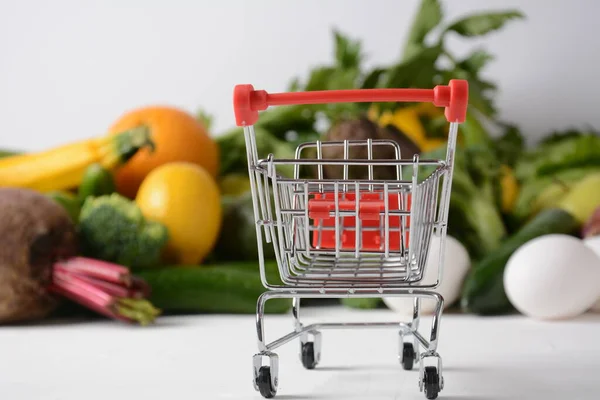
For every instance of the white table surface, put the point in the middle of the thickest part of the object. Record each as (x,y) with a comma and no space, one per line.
(210,357)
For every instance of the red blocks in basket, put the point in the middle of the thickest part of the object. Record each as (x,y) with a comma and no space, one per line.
(371,205)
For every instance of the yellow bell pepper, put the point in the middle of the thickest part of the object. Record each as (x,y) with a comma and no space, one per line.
(407,120)
(509,187)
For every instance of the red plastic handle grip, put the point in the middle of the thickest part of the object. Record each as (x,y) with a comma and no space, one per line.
(247,102)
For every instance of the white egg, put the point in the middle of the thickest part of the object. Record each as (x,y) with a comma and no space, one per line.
(456,266)
(594,243)
(552,277)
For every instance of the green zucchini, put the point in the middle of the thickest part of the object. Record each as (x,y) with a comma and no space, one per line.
(483,290)
(219,288)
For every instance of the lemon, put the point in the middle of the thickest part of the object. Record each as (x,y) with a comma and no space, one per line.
(186,198)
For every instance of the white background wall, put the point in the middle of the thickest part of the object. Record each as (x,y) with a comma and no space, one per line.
(69,68)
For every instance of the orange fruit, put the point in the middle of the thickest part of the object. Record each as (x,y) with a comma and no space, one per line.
(177,135)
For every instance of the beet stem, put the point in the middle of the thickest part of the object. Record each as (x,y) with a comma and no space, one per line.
(139,310)
(106,298)
(73,284)
(112,289)
(88,302)
(97,269)
(140,285)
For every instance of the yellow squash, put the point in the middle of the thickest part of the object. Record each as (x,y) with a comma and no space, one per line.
(63,167)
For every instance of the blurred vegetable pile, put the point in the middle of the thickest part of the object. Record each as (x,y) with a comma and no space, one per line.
(162,206)
(485,187)
(504,193)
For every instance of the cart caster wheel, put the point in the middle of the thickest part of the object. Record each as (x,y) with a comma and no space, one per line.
(431,382)
(408,356)
(308,355)
(264,383)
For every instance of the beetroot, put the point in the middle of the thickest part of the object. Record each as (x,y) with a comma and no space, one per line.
(34,232)
(40,266)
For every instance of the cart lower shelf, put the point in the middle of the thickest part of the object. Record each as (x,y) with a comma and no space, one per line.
(413,348)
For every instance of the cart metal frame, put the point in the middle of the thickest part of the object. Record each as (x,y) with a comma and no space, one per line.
(350,236)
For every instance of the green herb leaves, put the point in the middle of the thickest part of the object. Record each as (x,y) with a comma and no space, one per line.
(475,61)
(347,52)
(428,17)
(482,24)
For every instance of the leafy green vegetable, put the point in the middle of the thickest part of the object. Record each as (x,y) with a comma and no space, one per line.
(474,216)
(417,71)
(484,23)
(348,52)
(483,290)
(428,16)
(509,146)
(559,136)
(556,155)
(425,64)
(475,61)
(232,147)
(113,228)
(280,129)
(473,133)
(538,192)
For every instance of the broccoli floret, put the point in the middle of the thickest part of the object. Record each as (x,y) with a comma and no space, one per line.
(113,228)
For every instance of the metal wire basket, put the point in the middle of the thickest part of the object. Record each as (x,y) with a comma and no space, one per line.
(350,236)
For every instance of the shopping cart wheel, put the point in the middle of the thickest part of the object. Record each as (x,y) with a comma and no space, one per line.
(308,355)
(408,356)
(264,383)
(431,382)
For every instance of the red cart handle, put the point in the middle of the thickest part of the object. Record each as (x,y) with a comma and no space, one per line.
(247,102)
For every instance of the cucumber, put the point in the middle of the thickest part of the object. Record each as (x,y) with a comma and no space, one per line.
(96,181)
(218,288)
(483,290)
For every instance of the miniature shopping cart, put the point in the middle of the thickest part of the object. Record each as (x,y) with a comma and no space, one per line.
(347,236)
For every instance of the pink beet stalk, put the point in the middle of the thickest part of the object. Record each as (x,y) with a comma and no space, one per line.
(106,288)
(65,291)
(81,288)
(98,269)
